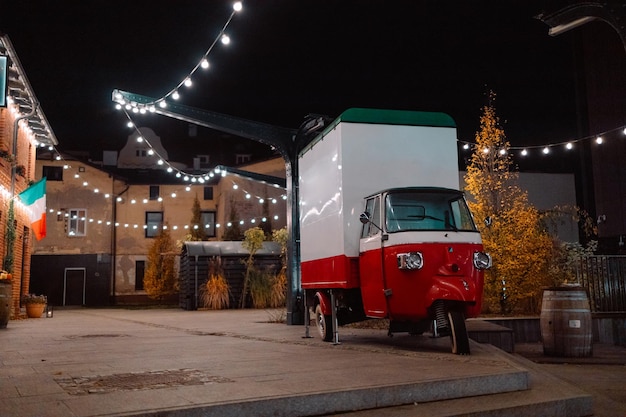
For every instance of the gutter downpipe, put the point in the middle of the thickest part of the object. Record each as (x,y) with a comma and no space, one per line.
(114,241)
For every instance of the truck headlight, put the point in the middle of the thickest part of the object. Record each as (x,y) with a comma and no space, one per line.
(410,260)
(482,260)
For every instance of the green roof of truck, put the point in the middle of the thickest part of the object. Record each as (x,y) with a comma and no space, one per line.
(395,117)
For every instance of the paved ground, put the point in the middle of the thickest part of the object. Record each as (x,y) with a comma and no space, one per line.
(90,362)
(603,375)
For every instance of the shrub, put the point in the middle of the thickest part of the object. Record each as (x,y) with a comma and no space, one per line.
(216,291)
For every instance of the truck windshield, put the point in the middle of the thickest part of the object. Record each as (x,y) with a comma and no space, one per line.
(427,210)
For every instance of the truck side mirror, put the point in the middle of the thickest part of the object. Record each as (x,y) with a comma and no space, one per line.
(365,217)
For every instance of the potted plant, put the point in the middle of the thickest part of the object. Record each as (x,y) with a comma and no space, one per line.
(6,291)
(35,304)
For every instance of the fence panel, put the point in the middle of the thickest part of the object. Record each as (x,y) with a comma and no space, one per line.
(604,277)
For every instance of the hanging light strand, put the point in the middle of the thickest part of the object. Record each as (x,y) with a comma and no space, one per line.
(546,149)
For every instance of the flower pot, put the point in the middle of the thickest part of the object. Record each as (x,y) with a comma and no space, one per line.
(6,291)
(34,311)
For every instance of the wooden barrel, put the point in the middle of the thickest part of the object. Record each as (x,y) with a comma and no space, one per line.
(5,302)
(565,322)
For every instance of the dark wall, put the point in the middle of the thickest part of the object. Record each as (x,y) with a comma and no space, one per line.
(234,269)
(48,277)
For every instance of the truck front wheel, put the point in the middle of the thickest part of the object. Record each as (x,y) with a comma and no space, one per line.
(324,324)
(458,333)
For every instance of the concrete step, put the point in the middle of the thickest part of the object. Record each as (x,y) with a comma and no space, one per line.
(370,398)
(547,396)
(485,332)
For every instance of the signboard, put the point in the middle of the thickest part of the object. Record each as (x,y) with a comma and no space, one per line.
(4,63)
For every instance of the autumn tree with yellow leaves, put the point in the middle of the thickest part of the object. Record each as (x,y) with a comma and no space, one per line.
(513,232)
(160,278)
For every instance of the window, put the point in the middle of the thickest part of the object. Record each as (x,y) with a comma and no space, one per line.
(427,210)
(154,192)
(372,207)
(154,222)
(141,153)
(208,222)
(204,160)
(242,158)
(208,193)
(52,173)
(77,222)
(140,269)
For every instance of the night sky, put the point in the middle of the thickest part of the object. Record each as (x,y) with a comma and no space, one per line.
(291,58)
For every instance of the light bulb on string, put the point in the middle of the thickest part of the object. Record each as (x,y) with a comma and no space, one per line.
(599,140)
(546,150)
(569,146)
(524,152)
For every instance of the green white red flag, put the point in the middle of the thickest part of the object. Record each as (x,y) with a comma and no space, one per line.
(34,198)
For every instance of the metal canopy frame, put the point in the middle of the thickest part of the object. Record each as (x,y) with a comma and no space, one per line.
(288,142)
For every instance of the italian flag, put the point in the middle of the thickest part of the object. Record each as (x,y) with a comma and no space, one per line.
(34,198)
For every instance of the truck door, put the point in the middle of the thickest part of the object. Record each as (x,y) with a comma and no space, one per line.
(370,261)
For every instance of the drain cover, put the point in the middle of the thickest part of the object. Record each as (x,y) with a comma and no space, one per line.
(137,381)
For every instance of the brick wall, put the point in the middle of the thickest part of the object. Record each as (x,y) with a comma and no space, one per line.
(22,245)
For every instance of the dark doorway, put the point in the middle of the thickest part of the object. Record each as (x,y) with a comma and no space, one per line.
(74,287)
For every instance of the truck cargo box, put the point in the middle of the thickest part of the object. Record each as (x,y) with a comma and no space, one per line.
(362,152)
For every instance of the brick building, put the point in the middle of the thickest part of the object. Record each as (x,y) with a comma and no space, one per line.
(23,128)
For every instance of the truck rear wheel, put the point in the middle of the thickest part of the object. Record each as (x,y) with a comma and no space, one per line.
(324,324)
(458,333)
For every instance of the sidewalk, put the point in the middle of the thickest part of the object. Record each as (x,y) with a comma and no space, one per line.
(114,362)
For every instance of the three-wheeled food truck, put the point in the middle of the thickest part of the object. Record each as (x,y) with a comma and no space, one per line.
(385,231)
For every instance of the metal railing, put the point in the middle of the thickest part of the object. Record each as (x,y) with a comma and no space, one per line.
(604,277)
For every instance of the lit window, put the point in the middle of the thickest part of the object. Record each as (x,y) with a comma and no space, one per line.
(77,222)
(154,223)
(208,222)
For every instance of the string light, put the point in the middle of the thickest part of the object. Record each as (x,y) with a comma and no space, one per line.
(203,63)
(546,148)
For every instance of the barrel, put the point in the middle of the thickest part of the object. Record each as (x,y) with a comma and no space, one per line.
(565,322)
(6,291)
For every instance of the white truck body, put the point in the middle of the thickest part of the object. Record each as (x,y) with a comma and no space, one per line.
(363,152)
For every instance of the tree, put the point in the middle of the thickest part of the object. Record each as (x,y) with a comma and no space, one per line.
(160,279)
(515,237)
(267,224)
(197,232)
(253,241)
(279,285)
(233,231)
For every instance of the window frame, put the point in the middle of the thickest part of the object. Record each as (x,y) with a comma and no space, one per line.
(47,170)
(74,218)
(208,231)
(150,231)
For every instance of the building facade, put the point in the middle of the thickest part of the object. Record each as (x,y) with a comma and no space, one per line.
(102,220)
(23,129)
